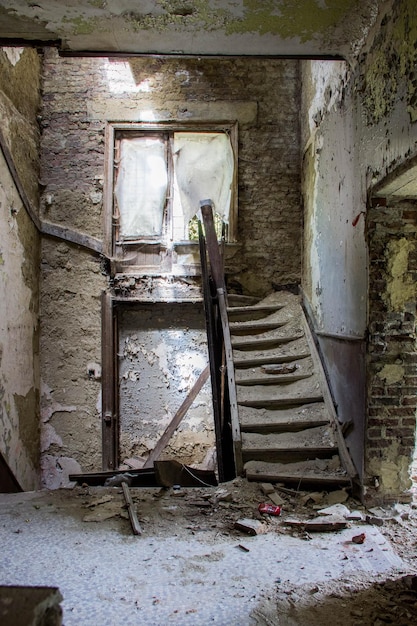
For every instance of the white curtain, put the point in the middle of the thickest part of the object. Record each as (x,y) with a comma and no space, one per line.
(141,186)
(203,166)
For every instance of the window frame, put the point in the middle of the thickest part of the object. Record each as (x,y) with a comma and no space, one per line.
(115,130)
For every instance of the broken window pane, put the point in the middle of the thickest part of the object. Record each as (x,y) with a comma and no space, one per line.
(141,186)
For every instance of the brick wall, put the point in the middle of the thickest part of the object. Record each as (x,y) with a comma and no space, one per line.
(392,356)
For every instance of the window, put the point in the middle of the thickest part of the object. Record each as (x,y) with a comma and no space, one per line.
(159,173)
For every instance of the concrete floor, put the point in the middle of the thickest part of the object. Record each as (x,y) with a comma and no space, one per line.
(178,571)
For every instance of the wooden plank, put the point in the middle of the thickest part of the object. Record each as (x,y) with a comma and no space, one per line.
(174,423)
(134,522)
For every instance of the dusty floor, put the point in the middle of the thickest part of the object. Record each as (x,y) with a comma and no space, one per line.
(192,566)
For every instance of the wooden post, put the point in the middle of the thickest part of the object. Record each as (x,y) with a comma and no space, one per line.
(110,433)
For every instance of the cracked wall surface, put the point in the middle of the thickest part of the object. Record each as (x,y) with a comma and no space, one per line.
(359,131)
(19,268)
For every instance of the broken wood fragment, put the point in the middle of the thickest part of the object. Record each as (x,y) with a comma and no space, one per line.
(134,522)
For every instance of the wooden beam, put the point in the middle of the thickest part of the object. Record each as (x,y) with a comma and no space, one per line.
(72,236)
(174,423)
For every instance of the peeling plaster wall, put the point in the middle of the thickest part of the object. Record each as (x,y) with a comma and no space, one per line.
(363,128)
(19,268)
(71,282)
(162,352)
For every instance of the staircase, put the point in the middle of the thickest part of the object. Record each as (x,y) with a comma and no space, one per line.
(289,430)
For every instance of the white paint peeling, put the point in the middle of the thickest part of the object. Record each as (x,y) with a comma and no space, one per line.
(13,54)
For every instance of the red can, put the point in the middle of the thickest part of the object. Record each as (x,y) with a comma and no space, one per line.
(270,509)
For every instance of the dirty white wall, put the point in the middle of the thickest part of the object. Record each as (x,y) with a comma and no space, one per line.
(357,128)
(19,268)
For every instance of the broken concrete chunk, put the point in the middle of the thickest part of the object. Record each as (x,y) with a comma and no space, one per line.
(336,497)
(250,526)
(336,509)
(315,496)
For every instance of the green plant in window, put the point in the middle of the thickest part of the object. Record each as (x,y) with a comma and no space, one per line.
(193,227)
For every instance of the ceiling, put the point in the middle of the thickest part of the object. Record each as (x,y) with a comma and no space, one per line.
(305,28)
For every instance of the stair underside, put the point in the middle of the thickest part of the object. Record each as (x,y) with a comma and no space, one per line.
(288,433)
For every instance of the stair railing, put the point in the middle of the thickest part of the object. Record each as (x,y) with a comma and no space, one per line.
(226,418)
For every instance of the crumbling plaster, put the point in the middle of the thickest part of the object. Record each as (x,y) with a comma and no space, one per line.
(358,138)
(228,27)
(19,267)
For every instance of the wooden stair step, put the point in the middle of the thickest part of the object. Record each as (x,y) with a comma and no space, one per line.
(284,402)
(283,353)
(318,442)
(270,359)
(271,380)
(319,472)
(283,420)
(236,300)
(265,342)
(299,392)
(274,373)
(256,312)
(253,327)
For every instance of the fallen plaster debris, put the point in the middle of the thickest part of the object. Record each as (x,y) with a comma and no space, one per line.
(250,526)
